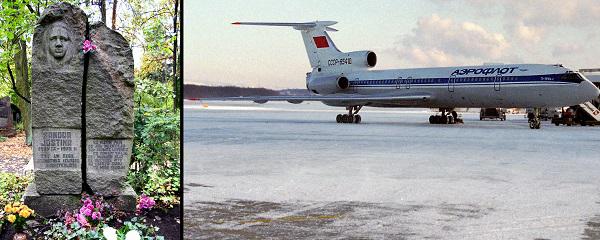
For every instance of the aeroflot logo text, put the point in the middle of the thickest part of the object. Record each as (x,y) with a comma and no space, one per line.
(485,71)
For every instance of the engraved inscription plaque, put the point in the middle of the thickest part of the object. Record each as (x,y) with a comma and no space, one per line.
(57,148)
(108,155)
(107,165)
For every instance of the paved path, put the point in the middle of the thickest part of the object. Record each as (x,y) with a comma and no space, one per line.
(14,154)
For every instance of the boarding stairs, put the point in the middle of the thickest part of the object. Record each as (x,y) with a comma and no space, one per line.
(591,110)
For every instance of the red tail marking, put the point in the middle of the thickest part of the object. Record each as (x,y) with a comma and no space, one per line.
(321,42)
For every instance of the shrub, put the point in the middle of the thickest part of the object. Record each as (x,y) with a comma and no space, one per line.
(155,167)
(12,187)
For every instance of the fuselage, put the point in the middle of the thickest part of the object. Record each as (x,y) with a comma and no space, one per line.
(488,86)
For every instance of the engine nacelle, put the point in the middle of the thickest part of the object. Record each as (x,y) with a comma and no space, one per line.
(328,85)
(363,58)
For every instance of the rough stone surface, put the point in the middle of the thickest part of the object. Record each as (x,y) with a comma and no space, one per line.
(108,164)
(57,67)
(109,91)
(57,78)
(109,111)
(57,160)
(48,205)
(6,119)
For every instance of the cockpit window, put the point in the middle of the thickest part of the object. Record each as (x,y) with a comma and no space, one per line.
(571,77)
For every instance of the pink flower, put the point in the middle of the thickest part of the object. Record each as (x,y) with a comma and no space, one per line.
(99,205)
(88,46)
(82,210)
(90,207)
(87,202)
(69,218)
(87,212)
(82,220)
(145,202)
(96,215)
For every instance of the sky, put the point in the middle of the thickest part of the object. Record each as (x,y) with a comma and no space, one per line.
(403,34)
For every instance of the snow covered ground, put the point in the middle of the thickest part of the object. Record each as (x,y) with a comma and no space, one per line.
(282,170)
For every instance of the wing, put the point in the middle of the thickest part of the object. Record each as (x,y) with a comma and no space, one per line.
(334,99)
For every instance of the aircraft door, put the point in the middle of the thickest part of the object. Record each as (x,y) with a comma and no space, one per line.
(497,82)
(451,83)
(398,82)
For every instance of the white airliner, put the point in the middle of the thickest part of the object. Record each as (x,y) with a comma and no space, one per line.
(345,80)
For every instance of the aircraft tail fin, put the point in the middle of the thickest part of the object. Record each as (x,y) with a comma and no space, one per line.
(319,45)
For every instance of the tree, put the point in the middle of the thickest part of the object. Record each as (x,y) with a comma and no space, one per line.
(176,75)
(103,10)
(114,14)
(17,22)
(16,29)
(153,26)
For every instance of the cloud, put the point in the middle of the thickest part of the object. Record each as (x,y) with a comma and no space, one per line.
(527,34)
(547,13)
(528,21)
(566,49)
(438,41)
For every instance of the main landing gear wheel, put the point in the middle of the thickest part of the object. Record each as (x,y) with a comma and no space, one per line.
(351,117)
(444,118)
(535,121)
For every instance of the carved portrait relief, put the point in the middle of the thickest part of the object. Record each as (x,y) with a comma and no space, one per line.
(58,43)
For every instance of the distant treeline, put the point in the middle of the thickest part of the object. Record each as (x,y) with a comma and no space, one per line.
(200,91)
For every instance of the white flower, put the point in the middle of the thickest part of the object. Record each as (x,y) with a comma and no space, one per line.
(110,233)
(133,235)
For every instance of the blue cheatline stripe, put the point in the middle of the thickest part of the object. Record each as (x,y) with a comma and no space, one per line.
(463,81)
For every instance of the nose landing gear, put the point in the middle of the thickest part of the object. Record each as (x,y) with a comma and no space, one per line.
(351,117)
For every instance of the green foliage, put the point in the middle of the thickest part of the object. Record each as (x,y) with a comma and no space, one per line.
(19,126)
(60,231)
(153,94)
(156,151)
(156,144)
(138,224)
(12,187)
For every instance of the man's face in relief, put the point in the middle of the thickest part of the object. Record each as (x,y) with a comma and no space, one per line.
(59,41)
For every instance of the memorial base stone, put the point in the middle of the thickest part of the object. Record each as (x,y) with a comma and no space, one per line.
(48,205)
(57,160)
(69,181)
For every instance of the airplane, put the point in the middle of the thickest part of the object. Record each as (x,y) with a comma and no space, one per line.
(345,79)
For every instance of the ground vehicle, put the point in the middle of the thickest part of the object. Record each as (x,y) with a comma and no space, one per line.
(492,113)
(577,114)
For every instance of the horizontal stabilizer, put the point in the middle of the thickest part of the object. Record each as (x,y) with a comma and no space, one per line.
(297,26)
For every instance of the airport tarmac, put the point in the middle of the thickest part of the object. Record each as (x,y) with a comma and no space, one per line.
(285,171)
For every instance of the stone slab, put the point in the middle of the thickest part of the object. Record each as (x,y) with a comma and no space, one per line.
(57,160)
(109,89)
(7,128)
(48,205)
(57,67)
(107,165)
